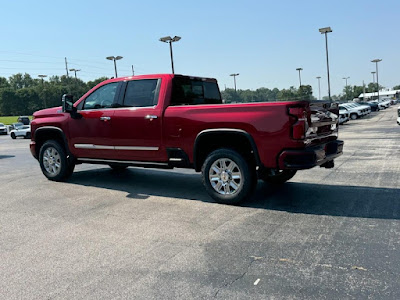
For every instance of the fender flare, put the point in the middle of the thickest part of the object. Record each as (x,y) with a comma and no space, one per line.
(241,132)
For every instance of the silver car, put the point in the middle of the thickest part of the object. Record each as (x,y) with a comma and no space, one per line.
(3,129)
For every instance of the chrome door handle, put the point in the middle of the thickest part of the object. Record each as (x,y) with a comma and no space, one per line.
(105,118)
(150,117)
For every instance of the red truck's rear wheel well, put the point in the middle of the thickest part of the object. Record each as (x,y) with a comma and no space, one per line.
(240,141)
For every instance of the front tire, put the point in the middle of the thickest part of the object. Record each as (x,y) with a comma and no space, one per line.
(278,176)
(228,177)
(353,116)
(53,161)
(13,136)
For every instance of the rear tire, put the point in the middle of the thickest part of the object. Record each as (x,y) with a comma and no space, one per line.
(278,176)
(28,135)
(53,161)
(228,177)
(13,135)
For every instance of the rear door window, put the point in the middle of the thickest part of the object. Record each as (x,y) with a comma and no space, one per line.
(142,93)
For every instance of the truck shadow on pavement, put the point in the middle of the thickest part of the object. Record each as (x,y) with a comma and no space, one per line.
(292,197)
(6,156)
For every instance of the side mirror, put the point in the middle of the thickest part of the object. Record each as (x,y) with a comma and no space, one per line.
(67,103)
(68,107)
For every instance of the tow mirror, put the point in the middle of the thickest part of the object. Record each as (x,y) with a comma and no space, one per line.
(67,103)
(68,107)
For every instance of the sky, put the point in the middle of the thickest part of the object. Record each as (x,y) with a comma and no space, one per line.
(263,41)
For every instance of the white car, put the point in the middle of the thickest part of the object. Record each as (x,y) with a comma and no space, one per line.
(3,129)
(366,109)
(24,131)
(385,103)
(353,110)
(343,116)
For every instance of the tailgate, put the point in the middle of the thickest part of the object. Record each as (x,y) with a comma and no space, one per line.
(323,121)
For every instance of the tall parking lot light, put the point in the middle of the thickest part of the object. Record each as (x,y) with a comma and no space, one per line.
(234,79)
(169,40)
(74,70)
(377,79)
(44,99)
(325,31)
(345,78)
(114,58)
(299,69)
(319,87)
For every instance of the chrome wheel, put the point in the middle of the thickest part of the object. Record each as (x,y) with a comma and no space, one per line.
(52,161)
(225,176)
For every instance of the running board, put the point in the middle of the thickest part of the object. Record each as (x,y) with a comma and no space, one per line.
(142,164)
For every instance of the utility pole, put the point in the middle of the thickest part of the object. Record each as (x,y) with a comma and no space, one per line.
(363,91)
(66,66)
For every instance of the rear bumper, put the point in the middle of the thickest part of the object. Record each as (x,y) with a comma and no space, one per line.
(299,159)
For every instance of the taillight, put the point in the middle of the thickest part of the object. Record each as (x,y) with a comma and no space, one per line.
(300,126)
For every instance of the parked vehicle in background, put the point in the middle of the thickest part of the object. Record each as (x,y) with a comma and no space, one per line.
(380,105)
(24,120)
(398,115)
(167,121)
(365,108)
(354,111)
(3,129)
(343,116)
(21,131)
(385,103)
(374,106)
(15,126)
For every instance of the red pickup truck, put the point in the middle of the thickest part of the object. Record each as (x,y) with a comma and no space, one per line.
(167,121)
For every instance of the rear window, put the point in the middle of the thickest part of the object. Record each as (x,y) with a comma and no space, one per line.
(187,91)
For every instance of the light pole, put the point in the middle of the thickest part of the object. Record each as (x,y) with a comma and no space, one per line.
(169,40)
(319,87)
(373,77)
(345,87)
(299,69)
(234,78)
(44,97)
(133,71)
(75,70)
(377,79)
(114,58)
(325,31)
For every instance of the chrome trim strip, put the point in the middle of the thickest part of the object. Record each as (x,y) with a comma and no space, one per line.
(136,148)
(175,159)
(105,147)
(122,161)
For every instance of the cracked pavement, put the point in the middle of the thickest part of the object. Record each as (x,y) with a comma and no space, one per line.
(155,234)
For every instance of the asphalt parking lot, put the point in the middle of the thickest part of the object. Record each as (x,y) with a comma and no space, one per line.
(155,234)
